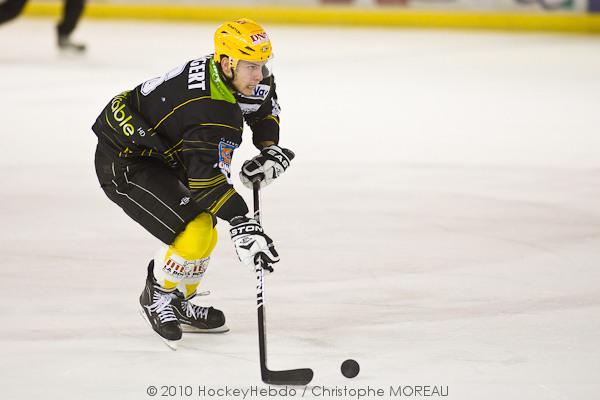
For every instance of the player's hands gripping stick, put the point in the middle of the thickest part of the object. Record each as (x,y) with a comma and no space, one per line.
(252,245)
(267,166)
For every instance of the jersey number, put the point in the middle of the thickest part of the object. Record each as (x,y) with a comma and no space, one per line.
(151,84)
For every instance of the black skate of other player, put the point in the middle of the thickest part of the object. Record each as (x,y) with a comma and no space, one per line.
(72,10)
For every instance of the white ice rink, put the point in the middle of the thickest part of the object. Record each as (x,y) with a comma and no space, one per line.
(441,223)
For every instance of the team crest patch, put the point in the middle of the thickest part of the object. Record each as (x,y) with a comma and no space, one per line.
(226,150)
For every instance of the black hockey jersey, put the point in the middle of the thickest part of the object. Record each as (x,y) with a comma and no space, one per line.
(191,120)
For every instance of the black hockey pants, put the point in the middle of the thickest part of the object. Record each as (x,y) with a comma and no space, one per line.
(149,192)
(71,12)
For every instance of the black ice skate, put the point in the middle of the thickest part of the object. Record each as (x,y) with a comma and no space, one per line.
(67,45)
(158,310)
(196,319)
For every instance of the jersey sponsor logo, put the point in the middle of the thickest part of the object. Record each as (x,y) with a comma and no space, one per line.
(197,74)
(259,38)
(261,91)
(117,107)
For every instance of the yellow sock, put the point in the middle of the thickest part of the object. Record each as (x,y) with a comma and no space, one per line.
(183,264)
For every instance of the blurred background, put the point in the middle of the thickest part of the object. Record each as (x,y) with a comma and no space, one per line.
(562,15)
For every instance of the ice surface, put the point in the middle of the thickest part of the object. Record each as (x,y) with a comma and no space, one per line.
(441,223)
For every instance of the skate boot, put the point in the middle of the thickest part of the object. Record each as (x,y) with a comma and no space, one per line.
(197,319)
(67,45)
(157,309)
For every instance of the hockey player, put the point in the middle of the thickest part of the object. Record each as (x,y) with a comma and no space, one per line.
(164,156)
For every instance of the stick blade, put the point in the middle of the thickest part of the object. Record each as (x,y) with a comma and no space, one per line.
(300,376)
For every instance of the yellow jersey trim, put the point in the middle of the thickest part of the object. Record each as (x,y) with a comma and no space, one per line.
(178,107)
(216,207)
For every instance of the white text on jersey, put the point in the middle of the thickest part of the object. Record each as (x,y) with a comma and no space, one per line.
(197,74)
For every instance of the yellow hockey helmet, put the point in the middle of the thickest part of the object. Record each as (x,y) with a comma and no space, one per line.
(242,39)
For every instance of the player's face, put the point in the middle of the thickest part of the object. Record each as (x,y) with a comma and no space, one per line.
(247,76)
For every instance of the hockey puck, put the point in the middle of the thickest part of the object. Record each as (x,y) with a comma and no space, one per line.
(350,368)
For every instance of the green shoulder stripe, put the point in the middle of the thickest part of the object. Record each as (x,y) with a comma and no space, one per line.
(218,88)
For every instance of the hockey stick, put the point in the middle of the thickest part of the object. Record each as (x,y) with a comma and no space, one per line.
(288,377)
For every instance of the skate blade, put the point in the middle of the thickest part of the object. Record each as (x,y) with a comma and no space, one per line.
(192,329)
(170,343)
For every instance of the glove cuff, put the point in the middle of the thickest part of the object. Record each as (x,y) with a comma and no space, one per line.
(273,146)
(240,219)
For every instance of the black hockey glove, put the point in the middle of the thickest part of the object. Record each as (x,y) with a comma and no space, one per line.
(252,245)
(267,166)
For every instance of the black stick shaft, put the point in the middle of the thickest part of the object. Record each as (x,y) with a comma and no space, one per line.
(288,377)
(262,345)
(256,192)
